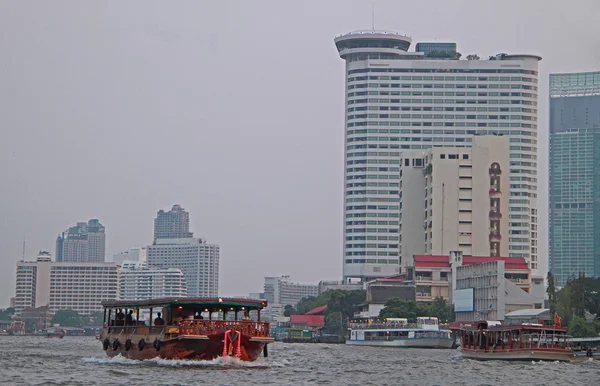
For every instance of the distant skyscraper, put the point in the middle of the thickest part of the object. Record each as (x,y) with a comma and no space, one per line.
(174,224)
(396,100)
(85,242)
(574,186)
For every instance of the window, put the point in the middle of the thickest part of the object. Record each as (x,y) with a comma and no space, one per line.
(442,156)
(465,156)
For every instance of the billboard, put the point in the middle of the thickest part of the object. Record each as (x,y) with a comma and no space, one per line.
(463,300)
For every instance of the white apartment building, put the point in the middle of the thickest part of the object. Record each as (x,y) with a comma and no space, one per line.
(198,261)
(282,291)
(133,254)
(398,100)
(138,282)
(457,199)
(64,285)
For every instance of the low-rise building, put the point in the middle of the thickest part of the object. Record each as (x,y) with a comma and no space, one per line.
(382,289)
(74,286)
(433,273)
(326,285)
(482,291)
(138,282)
(281,290)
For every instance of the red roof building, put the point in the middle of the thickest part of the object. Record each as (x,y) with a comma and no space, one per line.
(314,318)
(433,272)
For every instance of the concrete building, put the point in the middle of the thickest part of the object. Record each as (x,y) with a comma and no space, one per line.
(198,260)
(574,185)
(326,285)
(133,254)
(483,293)
(435,275)
(281,290)
(138,282)
(174,224)
(85,242)
(457,199)
(398,100)
(64,285)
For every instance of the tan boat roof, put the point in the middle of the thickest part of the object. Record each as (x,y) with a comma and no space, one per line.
(209,303)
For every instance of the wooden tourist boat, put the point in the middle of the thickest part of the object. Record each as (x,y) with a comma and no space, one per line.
(525,341)
(188,328)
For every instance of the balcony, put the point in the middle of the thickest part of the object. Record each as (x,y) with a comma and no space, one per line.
(495,236)
(495,215)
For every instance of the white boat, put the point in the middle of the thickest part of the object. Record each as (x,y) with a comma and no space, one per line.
(426,333)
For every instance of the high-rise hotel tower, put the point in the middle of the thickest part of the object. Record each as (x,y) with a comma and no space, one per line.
(396,100)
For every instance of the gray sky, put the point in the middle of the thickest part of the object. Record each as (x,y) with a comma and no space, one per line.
(234,110)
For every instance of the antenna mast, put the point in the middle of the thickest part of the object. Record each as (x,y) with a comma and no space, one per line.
(373,17)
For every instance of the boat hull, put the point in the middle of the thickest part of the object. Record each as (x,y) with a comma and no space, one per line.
(190,347)
(405,343)
(526,354)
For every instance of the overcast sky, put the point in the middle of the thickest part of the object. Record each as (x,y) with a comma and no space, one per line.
(233,109)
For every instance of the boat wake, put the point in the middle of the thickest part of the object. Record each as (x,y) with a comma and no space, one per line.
(218,363)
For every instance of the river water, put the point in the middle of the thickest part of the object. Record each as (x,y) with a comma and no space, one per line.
(81,361)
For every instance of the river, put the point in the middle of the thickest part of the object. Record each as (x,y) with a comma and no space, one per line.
(81,361)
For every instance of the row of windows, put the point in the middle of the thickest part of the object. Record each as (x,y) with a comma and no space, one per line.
(358,192)
(450,101)
(444,70)
(439,116)
(444,86)
(437,108)
(372,222)
(374,184)
(512,133)
(371,199)
(372,207)
(382,169)
(372,261)
(371,215)
(439,77)
(444,124)
(350,238)
(407,139)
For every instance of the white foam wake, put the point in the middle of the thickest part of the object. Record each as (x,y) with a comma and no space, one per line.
(229,362)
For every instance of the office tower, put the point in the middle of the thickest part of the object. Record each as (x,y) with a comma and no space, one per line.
(84,242)
(198,261)
(174,224)
(398,100)
(78,286)
(574,185)
(455,199)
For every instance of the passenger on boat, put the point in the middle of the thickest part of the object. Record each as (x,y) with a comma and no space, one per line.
(120,315)
(246,315)
(159,321)
(129,318)
(198,316)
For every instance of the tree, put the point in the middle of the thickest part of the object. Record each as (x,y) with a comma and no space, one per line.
(473,57)
(551,291)
(96,318)
(288,310)
(581,328)
(7,314)
(402,308)
(441,309)
(68,318)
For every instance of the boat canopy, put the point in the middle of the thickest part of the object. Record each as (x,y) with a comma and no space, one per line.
(209,304)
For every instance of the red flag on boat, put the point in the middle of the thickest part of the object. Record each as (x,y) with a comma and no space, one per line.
(556,320)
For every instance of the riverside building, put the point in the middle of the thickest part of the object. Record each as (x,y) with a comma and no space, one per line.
(397,100)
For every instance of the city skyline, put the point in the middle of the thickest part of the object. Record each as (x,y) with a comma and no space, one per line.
(176,119)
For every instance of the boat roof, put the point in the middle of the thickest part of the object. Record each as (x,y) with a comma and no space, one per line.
(522,326)
(207,303)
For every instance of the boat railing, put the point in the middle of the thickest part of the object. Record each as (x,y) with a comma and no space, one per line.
(212,327)
(196,327)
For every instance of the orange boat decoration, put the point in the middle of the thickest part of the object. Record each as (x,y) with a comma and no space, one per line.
(185,328)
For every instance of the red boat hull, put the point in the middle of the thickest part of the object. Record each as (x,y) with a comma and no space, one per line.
(193,348)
